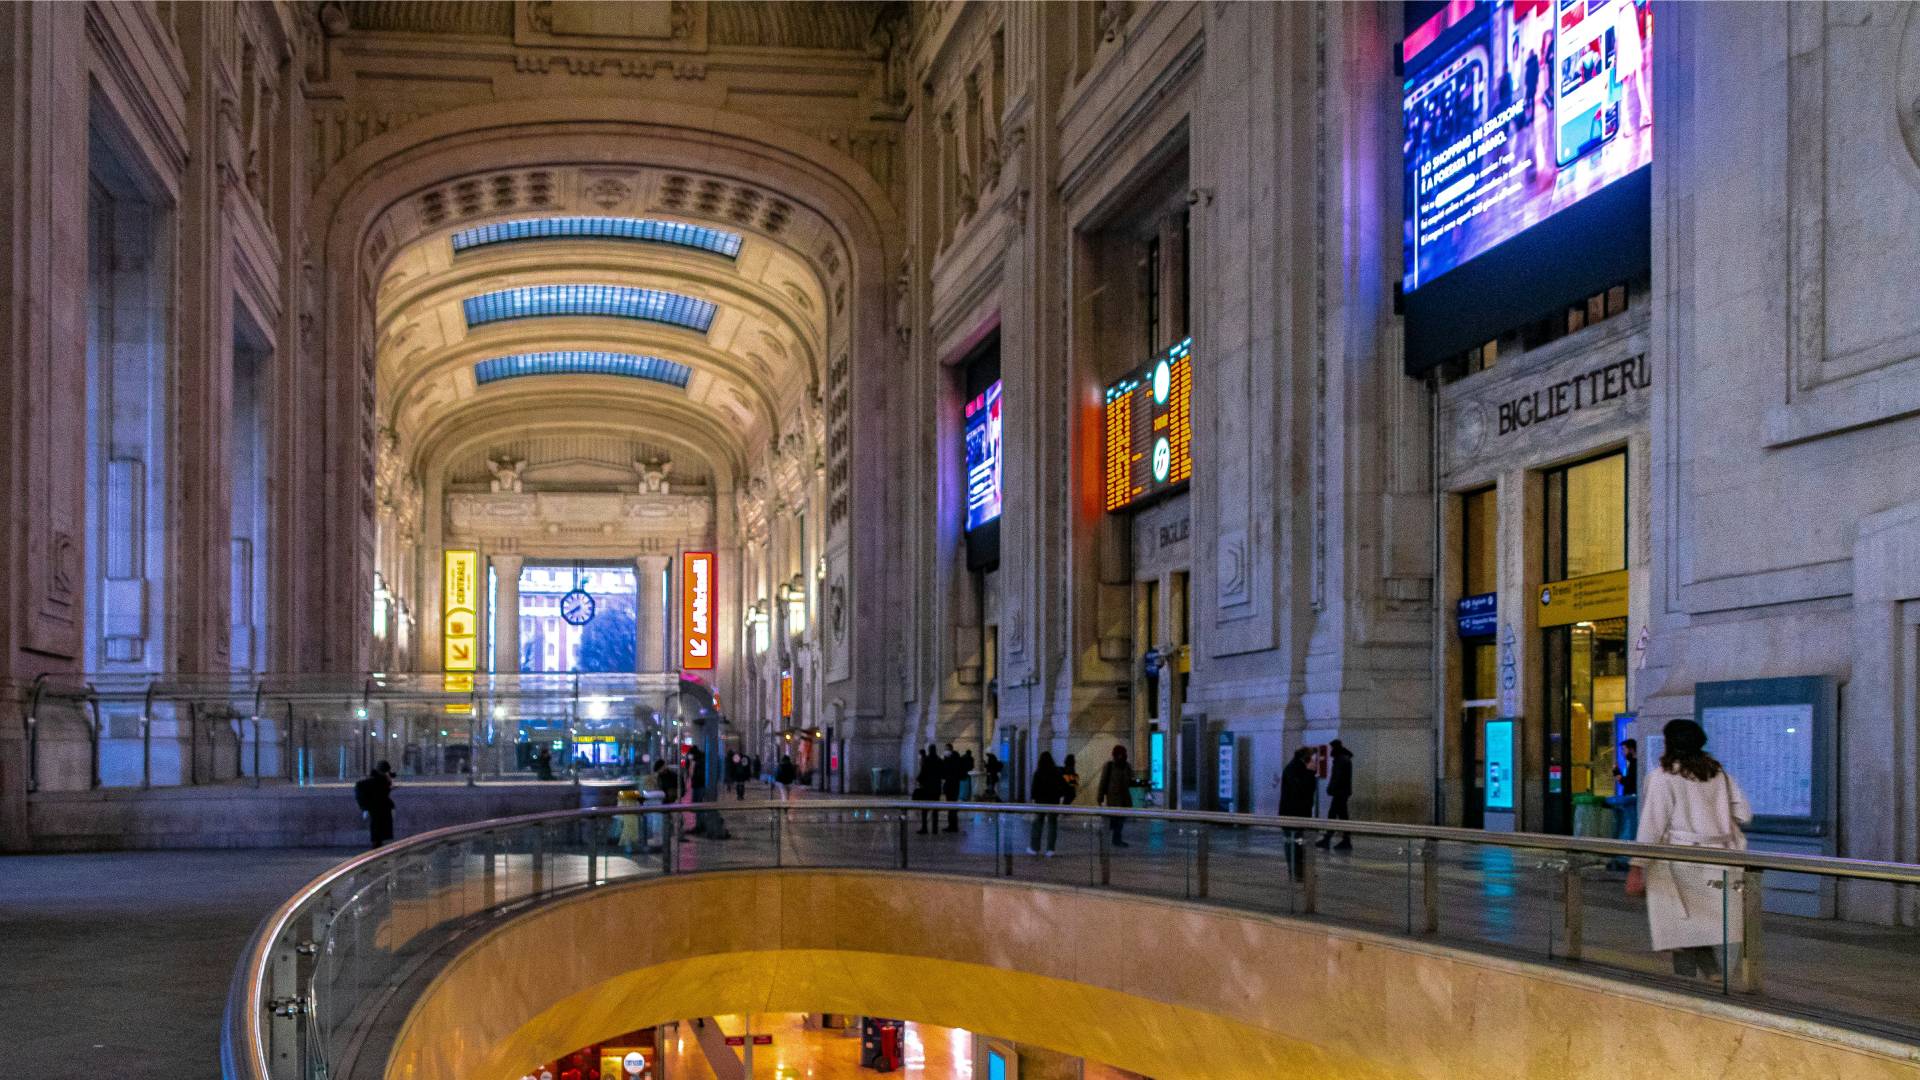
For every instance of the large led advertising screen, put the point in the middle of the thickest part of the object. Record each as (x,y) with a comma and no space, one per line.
(983,457)
(1514,111)
(1149,429)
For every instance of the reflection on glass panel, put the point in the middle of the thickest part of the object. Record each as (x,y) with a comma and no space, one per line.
(1479,556)
(1596,517)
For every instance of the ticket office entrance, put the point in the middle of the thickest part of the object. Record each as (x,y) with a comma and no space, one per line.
(1584,647)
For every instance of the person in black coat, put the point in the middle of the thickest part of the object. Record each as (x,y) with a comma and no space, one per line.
(952,771)
(926,787)
(1298,788)
(1049,789)
(1339,790)
(374,794)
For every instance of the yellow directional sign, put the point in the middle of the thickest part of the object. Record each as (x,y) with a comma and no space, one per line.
(460,607)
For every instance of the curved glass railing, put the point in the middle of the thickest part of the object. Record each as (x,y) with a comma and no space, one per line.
(311,991)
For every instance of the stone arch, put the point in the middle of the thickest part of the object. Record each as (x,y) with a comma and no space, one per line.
(348,250)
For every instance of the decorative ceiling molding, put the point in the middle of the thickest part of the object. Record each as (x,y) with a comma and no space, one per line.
(488,18)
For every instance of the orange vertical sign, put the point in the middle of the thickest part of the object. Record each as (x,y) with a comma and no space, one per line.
(786,695)
(696,610)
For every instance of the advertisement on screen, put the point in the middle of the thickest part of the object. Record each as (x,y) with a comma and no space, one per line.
(1514,111)
(1499,779)
(983,457)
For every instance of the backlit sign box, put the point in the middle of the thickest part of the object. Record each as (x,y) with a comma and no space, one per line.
(1149,430)
(460,611)
(696,610)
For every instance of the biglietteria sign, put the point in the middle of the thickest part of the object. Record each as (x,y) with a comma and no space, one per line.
(696,610)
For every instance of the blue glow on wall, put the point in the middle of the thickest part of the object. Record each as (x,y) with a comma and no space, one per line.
(582,362)
(621,301)
(647,230)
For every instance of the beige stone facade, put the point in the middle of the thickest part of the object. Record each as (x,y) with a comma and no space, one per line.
(240,216)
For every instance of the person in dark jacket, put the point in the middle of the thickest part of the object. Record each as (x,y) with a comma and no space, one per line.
(1298,789)
(1116,790)
(1049,789)
(669,781)
(1339,790)
(991,765)
(784,774)
(926,787)
(374,794)
(953,769)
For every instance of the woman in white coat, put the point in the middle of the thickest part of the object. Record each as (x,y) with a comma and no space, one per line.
(1691,801)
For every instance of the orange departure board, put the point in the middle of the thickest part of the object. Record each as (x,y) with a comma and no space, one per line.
(1149,429)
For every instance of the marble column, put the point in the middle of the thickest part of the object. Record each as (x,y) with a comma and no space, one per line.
(649,621)
(506,615)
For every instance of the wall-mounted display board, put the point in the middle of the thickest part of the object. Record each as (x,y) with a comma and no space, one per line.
(1149,430)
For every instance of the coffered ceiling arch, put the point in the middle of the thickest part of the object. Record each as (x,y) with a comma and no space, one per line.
(729,388)
(583,404)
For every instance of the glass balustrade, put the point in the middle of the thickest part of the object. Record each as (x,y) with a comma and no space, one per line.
(319,985)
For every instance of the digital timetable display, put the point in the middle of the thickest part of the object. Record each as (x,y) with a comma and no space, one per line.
(1149,430)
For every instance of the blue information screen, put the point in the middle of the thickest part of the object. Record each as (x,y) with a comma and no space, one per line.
(1500,778)
(1515,110)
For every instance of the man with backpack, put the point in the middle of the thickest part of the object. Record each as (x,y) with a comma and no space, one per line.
(374,794)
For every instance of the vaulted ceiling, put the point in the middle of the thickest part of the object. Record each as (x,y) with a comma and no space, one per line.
(698,341)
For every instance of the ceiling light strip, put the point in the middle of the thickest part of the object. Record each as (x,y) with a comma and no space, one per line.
(582,362)
(647,230)
(620,301)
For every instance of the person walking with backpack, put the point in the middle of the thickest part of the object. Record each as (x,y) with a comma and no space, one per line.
(1116,790)
(784,774)
(374,794)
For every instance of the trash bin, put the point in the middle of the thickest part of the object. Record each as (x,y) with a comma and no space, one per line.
(1592,817)
(882,778)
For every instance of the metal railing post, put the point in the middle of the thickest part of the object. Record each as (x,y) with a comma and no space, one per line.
(1752,939)
(1000,846)
(904,814)
(1102,835)
(777,816)
(490,875)
(1572,907)
(538,866)
(286,1008)
(32,733)
(473,746)
(595,827)
(256,751)
(1309,872)
(97,734)
(1202,851)
(1429,887)
(669,841)
(193,743)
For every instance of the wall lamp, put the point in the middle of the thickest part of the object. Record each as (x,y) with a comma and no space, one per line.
(794,595)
